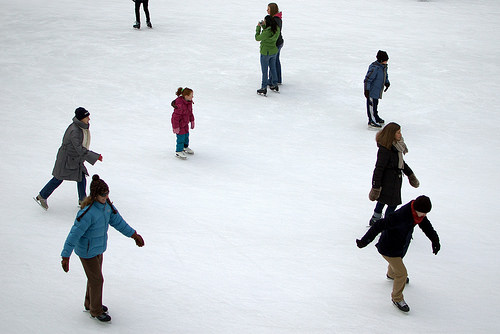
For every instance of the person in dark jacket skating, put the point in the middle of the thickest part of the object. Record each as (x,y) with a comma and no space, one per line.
(72,154)
(396,234)
(387,176)
(88,238)
(375,80)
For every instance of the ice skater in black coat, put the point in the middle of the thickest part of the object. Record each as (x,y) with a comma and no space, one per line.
(389,169)
(397,230)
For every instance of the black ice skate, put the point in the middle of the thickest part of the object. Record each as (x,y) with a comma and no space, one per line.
(402,306)
(262,91)
(137,25)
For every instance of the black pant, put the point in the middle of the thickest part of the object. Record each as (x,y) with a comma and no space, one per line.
(145,7)
(372,110)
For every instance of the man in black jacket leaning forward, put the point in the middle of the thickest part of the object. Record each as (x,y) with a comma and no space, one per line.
(397,229)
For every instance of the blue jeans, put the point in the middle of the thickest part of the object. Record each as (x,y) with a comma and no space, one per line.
(54,183)
(268,62)
(278,65)
(379,207)
(182,141)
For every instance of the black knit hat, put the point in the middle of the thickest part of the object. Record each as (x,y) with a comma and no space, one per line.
(81,113)
(98,186)
(422,204)
(382,56)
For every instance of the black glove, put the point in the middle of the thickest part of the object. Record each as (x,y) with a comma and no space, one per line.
(386,87)
(173,104)
(367,93)
(361,243)
(436,246)
(65,263)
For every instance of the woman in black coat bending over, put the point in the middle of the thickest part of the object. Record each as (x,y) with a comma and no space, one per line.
(387,176)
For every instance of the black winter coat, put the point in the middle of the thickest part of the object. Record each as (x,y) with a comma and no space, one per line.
(397,230)
(388,175)
(279,22)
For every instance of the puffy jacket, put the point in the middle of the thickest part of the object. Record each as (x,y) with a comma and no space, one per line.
(182,115)
(397,230)
(72,154)
(267,40)
(375,79)
(89,236)
(388,175)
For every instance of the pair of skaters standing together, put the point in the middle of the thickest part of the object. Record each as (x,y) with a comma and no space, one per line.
(268,33)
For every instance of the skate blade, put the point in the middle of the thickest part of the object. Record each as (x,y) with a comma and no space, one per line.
(39,203)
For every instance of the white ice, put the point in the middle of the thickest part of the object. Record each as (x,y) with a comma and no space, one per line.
(256,232)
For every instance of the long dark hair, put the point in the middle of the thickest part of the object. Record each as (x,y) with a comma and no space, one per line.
(270,22)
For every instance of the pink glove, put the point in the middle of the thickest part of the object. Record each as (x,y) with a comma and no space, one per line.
(177,130)
(192,124)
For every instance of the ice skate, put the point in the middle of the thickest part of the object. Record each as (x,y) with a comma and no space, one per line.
(103,317)
(373,125)
(42,202)
(275,88)
(181,155)
(262,91)
(402,305)
(137,25)
(188,150)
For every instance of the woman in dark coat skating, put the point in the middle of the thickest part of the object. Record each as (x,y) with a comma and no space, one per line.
(387,176)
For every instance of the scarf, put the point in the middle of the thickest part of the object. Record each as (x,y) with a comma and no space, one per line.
(402,149)
(416,218)
(86,138)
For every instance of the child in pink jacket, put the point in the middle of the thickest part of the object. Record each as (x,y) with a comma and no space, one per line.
(181,117)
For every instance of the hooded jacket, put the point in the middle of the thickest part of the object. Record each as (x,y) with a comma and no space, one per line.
(396,232)
(72,153)
(375,79)
(182,115)
(89,236)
